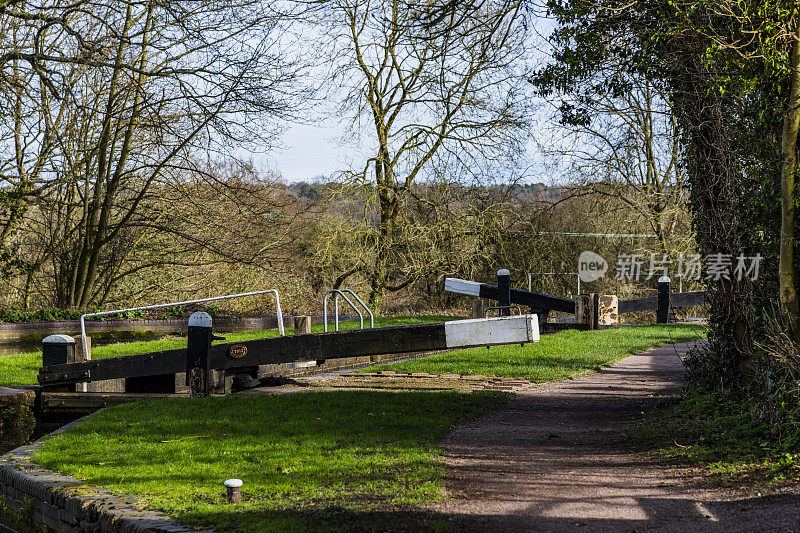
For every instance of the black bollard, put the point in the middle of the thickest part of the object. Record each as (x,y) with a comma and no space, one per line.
(197,347)
(58,350)
(504,291)
(662,314)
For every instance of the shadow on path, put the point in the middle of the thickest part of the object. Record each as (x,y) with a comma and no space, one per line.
(557,458)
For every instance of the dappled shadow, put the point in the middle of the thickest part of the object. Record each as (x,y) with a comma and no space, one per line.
(560,457)
(328,519)
(771,513)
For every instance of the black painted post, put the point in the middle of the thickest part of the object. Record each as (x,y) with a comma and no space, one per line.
(197,347)
(662,314)
(504,291)
(58,350)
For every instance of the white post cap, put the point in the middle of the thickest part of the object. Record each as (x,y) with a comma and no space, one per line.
(233,483)
(664,279)
(503,272)
(58,339)
(201,319)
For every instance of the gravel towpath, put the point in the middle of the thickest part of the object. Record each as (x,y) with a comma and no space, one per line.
(558,458)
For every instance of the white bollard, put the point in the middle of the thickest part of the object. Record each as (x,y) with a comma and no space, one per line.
(234,487)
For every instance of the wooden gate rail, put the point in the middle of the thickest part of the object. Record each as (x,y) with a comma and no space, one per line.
(677,299)
(307,347)
(518,296)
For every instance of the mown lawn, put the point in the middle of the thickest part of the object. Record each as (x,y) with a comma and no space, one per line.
(22,369)
(321,461)
(554,357)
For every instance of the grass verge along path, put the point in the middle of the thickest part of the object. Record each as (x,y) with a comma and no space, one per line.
(721,436)
(554,357)
(22,368)
(338,460)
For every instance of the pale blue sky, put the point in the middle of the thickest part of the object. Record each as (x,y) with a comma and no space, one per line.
(311,150)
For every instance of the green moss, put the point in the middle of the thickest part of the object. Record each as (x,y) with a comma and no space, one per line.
(17,420)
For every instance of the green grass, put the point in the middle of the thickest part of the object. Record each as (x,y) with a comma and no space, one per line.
(22,369)
(342,460)
(554,357)
(720,436)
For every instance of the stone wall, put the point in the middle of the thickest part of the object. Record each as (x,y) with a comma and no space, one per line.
(17,420)
(48,501)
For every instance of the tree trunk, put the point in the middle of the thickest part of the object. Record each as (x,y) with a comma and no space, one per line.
(714,176)
(380,272)
(791,124)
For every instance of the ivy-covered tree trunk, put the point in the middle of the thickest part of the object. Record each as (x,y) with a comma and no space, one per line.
(716,182)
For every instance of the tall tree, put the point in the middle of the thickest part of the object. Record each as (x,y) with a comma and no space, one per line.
(629,150)
(599,48)
(154,84)
(427,80)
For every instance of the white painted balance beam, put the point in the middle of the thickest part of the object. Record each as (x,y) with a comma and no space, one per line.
(491,331)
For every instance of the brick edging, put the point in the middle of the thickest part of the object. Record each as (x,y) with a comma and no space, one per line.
(65,504)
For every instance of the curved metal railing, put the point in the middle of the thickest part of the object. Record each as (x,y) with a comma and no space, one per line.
(173,304)
(341,293)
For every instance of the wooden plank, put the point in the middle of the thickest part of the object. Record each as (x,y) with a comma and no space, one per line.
(90,401)
(555,327)
(148,364)
(688,299)
(309,347)
(639,304)
(677,299)
(331,345)
(493,331)
(518,296)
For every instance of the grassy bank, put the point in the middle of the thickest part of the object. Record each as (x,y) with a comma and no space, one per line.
(22,369)
(721,437)
(554,357)
(344,460)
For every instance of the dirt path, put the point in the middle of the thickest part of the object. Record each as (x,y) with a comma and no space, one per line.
(557,458)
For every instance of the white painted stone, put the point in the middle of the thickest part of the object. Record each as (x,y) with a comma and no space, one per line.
(58,339)
(489,331)
(233,483)
(462,286)
(200,319)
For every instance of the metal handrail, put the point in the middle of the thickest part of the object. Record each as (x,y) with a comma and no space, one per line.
(341,292)
(338,293)
(367,309)
(201,300)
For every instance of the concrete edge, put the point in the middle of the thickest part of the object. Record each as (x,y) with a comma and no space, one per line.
(66,504)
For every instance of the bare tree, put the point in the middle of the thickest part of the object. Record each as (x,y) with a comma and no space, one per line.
(427,81)
(627,147)
(96,134)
